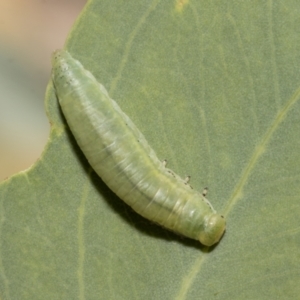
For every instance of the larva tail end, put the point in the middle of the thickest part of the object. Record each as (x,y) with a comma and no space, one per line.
(213,230)
(55,55)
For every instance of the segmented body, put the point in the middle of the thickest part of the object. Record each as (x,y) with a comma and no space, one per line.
(122,157)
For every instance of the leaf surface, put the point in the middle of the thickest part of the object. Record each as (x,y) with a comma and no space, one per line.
(214,87)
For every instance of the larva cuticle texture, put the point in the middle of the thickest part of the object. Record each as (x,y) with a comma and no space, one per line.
(121,156)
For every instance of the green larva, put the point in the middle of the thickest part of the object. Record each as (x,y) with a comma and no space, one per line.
(121,156)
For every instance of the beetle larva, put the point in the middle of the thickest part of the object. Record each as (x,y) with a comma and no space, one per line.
(121,156)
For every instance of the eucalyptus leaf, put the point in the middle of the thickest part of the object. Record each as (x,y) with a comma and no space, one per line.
(214,87)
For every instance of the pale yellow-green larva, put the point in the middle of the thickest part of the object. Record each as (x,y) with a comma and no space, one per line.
(121,156)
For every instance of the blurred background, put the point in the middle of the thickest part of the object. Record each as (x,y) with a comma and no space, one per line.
(29,32)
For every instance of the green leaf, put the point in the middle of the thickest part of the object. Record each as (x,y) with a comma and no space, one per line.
(214,87)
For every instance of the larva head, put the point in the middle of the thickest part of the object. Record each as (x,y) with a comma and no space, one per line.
(214,228)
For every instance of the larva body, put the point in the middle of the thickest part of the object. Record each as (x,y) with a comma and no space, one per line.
(121,156)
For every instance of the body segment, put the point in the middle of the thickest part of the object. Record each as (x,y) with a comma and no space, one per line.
(122,157)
